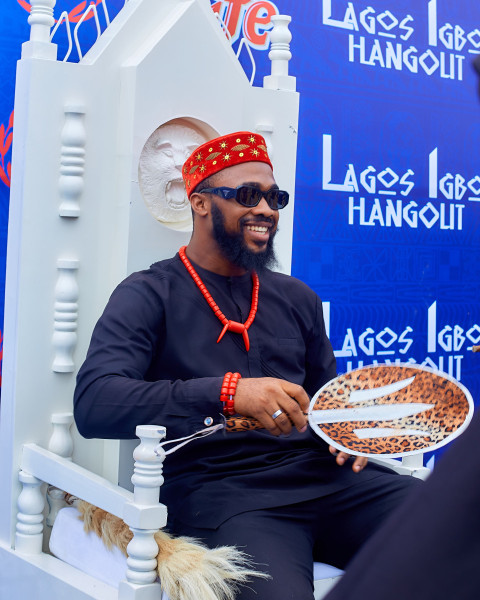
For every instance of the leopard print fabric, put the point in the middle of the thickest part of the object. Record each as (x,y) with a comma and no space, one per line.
(239,423)
(450,410)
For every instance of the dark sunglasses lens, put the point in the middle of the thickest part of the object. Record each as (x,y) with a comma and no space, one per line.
(248,196)
(277,199)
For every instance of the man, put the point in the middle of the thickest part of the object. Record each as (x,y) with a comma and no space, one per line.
(214,330)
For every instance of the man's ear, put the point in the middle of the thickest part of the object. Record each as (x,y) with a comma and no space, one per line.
(200,204)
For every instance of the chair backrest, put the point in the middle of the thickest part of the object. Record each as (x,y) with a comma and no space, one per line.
(94,142)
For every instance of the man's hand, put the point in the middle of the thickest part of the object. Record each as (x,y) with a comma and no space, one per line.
(263,397)
(358,464)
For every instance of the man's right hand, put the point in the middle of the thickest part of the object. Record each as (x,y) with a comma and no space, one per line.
(263,397)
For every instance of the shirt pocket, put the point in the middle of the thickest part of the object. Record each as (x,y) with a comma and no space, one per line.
(284,358)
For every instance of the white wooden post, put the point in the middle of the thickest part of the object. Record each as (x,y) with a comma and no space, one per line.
(72,161)
(64,338)
(61,443)
(40,20)
(147,475)
(280,38)
(31,501)
(144,517)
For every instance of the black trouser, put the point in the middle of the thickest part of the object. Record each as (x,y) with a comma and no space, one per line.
(284,541)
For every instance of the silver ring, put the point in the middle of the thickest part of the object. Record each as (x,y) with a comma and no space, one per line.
(276,414)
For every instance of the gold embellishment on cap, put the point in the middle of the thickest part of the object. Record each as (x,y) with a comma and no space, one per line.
(222,152)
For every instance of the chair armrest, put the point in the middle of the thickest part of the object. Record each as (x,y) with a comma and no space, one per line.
(409,465)
(66,475)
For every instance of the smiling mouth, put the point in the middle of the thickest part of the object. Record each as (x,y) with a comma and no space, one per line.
(257,228)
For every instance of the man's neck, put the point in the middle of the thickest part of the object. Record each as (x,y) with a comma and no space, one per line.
(209,257)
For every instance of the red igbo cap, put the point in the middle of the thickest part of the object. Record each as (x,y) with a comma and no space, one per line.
(222,152)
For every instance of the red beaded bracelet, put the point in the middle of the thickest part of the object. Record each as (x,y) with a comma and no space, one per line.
(227,393)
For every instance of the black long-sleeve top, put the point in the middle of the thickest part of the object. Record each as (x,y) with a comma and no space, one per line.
(153,359)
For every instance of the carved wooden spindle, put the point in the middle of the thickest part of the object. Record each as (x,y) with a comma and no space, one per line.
(280,54)
(142,557)
(40,20)
(61,443)
(66,313)
(31,502)
(72,162)
(147,475)
(147,479)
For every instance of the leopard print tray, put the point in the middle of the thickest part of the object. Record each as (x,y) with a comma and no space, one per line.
(402,409)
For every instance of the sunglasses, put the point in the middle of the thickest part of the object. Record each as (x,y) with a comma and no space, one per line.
(250,196)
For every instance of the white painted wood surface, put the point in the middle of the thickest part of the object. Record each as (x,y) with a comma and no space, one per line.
(78,225)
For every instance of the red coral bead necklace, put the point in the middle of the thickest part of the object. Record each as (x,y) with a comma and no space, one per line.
(228,325)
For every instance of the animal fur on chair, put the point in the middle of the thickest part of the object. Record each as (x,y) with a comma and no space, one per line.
(187,569)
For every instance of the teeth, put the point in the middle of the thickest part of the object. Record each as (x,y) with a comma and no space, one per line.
(257,228)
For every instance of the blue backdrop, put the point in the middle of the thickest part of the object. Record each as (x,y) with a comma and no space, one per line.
(388,180)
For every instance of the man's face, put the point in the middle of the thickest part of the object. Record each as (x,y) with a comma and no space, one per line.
(245,234)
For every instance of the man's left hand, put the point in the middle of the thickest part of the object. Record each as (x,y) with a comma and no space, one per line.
(358,464)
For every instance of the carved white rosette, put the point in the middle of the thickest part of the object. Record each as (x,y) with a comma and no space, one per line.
(66,314)
(40,20)
(72,161)
(160,172)
(280,38)
(31,501)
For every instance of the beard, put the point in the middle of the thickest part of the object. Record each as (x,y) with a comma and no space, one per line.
(234,248)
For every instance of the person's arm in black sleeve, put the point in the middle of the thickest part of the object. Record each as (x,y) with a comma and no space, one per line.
(320,365)
(112,397)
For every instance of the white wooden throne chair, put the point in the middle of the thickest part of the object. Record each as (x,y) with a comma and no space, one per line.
(89,206)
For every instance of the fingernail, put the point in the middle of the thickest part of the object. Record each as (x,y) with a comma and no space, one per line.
(304,429)
(340,460)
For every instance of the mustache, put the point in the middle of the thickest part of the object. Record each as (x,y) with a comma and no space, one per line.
(257,219)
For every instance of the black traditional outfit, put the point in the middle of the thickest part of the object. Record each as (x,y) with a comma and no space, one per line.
(154,359)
